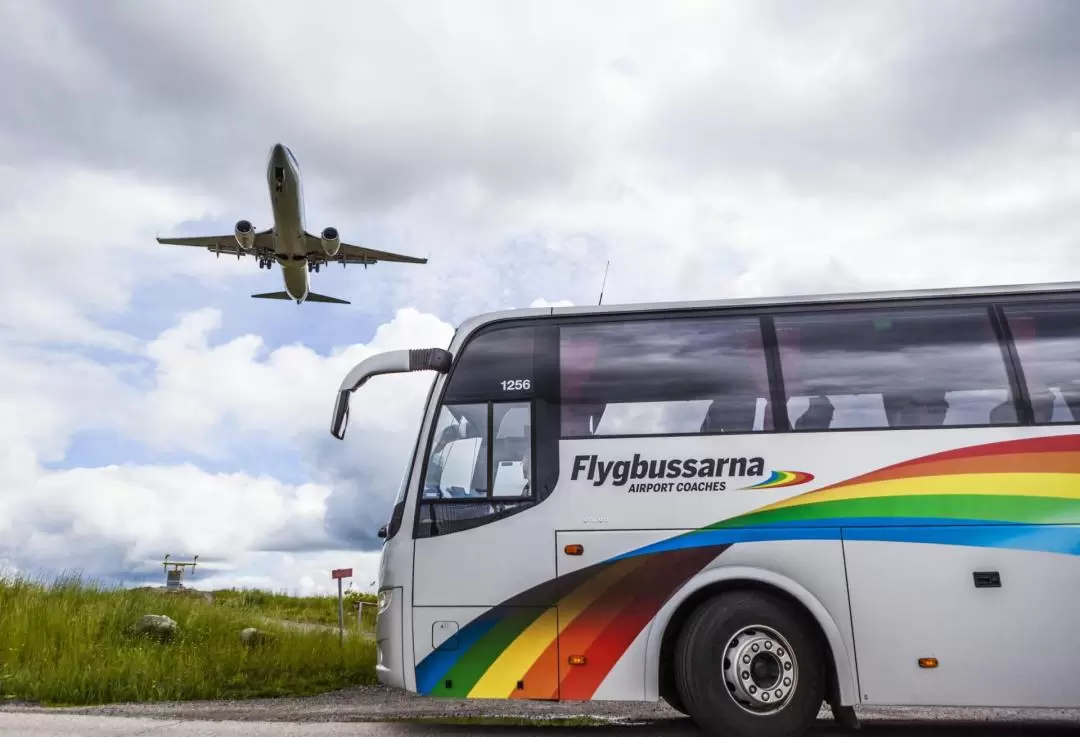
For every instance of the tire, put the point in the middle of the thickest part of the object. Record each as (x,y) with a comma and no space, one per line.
(711,695)
(674,700)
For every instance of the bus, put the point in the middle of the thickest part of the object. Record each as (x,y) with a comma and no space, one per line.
(752,509)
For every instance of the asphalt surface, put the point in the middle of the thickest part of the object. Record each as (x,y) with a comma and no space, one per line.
(374,711)
(67,725)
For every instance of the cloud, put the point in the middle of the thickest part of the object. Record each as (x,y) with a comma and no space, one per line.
(206,399)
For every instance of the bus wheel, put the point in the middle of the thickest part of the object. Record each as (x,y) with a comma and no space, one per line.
(748,665)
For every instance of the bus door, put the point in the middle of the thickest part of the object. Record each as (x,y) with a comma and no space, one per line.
(484,616)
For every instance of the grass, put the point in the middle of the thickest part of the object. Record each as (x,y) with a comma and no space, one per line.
(313,609)
(73,643)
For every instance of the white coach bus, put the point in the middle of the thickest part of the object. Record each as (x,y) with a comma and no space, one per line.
(748,508)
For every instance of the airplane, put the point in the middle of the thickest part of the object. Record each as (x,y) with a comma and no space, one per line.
(288,243)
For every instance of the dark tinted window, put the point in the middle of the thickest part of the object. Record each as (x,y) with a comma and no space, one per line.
(645,377)
(497,364)
(881,368)
(1047,339)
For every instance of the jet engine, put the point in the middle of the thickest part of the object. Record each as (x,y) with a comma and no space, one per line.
(331,242)
(245,234)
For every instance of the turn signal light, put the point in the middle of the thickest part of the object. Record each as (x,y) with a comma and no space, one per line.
(574,549)
(576,660)
(928,662)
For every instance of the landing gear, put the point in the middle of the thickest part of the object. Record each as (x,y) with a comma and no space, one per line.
(314,266)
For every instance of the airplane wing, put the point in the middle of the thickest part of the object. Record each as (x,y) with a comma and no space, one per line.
(222,243)
(349,254)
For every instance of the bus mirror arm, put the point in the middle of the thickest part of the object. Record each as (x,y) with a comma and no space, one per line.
(390,362)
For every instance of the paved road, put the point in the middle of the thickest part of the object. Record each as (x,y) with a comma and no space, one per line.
(27,724)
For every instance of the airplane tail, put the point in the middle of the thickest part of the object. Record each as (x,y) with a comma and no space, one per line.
(311,297)
(272,295)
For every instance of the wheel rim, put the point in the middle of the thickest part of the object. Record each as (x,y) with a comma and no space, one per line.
(760,670)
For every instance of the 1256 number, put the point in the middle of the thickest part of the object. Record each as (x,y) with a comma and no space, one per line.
(516,385)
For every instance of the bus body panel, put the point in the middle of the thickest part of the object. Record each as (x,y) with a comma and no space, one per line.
(1013,646)
(610,616)
(795,540)
(624,681)
(391,627)
(501,561)
(513,657)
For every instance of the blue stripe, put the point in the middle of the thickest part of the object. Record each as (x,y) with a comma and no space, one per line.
(438,663)
(1063,539)
(876,522)
(711,538)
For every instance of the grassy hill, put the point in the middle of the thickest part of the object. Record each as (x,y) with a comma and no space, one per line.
(74,643)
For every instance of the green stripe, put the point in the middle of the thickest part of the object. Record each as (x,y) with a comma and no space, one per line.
(1022,509)
(472,665)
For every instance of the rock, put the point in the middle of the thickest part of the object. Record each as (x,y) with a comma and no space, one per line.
(158,626)
(253,637)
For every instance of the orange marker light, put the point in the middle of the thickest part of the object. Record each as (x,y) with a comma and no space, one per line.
(928,662)
(574,549)
(576,660)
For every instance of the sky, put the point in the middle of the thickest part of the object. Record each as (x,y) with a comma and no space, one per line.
(706,149)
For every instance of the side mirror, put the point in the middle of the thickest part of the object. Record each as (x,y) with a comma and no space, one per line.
(391,362)
(382,532)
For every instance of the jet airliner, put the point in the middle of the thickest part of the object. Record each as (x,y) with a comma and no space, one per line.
(288,243)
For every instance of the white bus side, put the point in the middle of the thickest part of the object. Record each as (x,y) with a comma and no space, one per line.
(745,508)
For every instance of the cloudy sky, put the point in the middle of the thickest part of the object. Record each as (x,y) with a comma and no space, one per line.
(708,149)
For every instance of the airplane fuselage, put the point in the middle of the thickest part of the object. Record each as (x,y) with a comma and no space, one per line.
(287,204)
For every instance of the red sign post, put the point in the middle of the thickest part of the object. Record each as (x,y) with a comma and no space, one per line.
(340,573)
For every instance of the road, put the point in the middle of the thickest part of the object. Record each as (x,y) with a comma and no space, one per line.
(377,711)
(32,724)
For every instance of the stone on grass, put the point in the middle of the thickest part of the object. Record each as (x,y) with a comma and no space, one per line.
(157,626)
(252,637)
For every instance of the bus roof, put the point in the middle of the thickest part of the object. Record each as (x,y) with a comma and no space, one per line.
(1050,288)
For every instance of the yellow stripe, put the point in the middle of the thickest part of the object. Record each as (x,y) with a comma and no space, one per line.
(502,676)
(1065,485)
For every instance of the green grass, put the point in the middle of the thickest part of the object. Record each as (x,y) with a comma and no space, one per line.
(72,643)
(313,609)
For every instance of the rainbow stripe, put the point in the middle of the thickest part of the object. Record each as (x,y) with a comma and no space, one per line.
(1020,494)
(779,479)
(596,612)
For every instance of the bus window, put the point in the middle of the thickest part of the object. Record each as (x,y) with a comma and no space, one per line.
(1047,339)
(456,495)
(457,464)
(891,368)
(511,450)
(663,377)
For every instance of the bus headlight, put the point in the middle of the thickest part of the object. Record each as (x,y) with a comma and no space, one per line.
(384,599)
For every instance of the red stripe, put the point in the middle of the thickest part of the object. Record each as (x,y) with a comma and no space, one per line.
(614,623)
(1057,444)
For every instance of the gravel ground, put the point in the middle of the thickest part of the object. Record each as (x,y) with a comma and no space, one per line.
(378,703)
